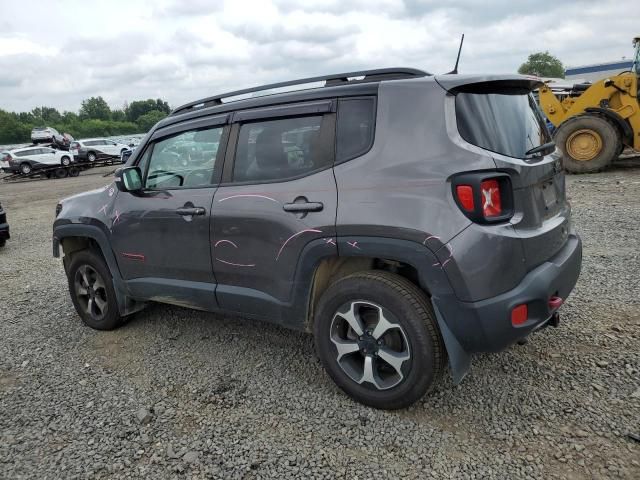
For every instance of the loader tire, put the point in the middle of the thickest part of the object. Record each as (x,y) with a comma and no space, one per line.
(589,143)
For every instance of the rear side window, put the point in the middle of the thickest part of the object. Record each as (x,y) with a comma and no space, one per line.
(506,122)
(356,125)
(280,149)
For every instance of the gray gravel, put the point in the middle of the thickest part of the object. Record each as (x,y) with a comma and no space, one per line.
(183,394)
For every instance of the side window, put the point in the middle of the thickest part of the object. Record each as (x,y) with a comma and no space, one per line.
(184,160)
(356,126)
(279,149)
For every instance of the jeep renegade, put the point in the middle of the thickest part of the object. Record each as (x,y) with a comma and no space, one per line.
(402,218)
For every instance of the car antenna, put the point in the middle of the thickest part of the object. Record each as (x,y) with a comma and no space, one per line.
(455,69)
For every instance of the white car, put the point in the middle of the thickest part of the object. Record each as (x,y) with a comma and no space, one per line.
(26,160)
(93,149)
(43,134)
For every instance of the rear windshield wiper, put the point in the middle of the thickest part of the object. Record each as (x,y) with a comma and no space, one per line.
(541,148)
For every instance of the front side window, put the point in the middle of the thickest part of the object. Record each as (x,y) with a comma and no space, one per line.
(507,121)
(279,149)
(184,160)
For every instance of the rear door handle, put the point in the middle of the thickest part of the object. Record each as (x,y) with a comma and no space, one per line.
(303,207)
(190,211)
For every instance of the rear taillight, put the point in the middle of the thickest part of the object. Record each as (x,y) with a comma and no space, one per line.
(491,199)
(484,197)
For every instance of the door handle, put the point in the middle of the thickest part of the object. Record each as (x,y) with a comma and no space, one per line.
(303,207)
(190,211)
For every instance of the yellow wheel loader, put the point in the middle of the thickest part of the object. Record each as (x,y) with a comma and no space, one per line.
(595,122)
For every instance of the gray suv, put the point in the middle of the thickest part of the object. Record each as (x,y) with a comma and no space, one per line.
(402,218)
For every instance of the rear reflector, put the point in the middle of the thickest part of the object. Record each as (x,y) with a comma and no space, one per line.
(465,197)
(555,303)
(519,315)
(491,201)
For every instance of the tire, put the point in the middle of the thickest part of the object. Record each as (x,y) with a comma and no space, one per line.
(87,268)
(3,242)
(91,157)
(589,143)
(74,171)
(25,168)
(61,172)
(66,161)
(414,338)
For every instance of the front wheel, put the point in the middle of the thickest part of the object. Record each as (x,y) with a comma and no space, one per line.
(377,337)
(66,161)
(589,143)
(92,293)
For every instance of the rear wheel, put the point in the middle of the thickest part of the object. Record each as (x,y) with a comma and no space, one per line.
(25,168)
(91,156)
(589,143)
(377,337)
(92,293)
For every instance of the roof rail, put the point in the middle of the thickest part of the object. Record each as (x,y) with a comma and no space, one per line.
(330,81)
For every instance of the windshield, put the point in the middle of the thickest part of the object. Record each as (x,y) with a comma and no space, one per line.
(507,122)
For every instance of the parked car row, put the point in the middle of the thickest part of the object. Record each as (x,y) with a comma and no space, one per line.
(26,160)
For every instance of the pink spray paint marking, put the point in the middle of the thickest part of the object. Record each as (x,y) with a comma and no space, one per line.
(104,209)
(134,256)
(308,230)
(116,218)
(450,248)
(249,195)
(236,264)
(429,238)
(353,244)
(329,241)
(225,241)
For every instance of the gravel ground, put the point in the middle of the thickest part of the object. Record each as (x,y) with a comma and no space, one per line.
(183,394)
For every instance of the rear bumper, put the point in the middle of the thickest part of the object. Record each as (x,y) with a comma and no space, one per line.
(485,326)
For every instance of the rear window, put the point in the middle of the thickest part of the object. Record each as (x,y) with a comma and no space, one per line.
(508,122)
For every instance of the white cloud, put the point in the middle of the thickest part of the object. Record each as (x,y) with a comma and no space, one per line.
(183,50)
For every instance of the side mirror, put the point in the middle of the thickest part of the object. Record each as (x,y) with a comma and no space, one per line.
(129,179)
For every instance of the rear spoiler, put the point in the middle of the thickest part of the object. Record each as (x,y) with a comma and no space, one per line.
(487,83)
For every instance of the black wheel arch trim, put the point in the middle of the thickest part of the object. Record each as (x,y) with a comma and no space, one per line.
(625,128)
(126,304)
(432,279)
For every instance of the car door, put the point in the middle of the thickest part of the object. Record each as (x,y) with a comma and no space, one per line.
(161,235)
(277,203)
(47,156)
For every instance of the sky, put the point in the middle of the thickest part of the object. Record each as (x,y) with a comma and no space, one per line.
(59,53)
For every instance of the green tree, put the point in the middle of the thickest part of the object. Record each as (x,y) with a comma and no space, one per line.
(95,108)
(148,120)
(542,64)
(118,116)
(141,107)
